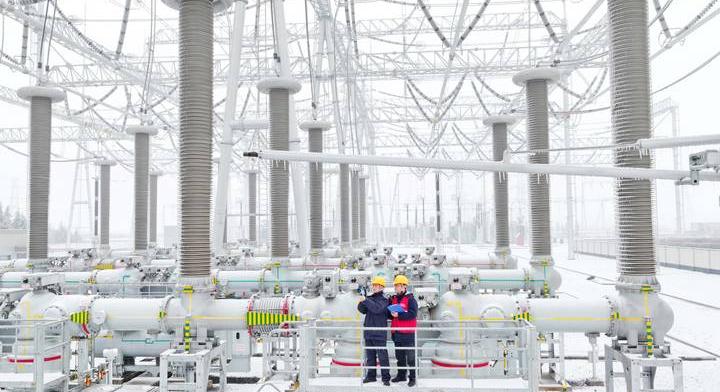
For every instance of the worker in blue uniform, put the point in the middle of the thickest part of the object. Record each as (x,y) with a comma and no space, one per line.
(374,307)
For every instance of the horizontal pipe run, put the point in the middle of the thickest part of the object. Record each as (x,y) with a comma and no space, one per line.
(678,141)
(645,144)
(475,165)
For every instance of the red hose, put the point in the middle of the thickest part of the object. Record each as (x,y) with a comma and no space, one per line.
(454,366)
(31,360)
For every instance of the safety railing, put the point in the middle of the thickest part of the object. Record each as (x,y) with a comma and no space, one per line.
(477,355)
(35,354)
(683,257)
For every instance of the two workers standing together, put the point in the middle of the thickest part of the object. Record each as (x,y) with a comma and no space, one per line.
(401,309)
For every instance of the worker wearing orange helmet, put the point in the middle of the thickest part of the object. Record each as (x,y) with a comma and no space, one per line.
(403,327)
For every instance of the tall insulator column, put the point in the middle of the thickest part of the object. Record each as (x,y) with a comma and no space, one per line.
(536,83)
(39,145)
(142,182)
(104,214)
(279,90)
(315,131)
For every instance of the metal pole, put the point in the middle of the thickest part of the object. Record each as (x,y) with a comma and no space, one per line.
(231,87)
(569,206)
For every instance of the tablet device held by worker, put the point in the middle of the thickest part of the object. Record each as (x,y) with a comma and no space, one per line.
(397,308)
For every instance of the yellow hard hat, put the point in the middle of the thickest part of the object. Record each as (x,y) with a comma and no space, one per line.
(378,280)
(401,279)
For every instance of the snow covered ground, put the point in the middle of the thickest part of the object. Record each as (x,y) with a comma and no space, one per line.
(695,324)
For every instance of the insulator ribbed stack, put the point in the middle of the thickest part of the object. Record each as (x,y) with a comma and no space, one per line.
(538,184)
(355,195)
(39,141)
(344,204)
(363,208)
(279,90)
(279,174)
(631,120)
(315,131)
(195,163)
(252,206)
(104,215)
(152,208)
(499,126)
(142,168)
(39,146)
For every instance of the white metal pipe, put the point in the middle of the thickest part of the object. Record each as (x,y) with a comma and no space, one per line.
(476,165)
(221,191)
(678,141)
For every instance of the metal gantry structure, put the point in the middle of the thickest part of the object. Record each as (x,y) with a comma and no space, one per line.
(416,80)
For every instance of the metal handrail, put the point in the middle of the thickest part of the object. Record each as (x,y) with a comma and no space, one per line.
(40,347)
(524,354)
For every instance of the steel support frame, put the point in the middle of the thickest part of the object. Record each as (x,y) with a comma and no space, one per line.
(639,370)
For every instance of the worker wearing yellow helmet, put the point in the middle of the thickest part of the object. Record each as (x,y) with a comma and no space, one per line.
(402,327)
(374,307)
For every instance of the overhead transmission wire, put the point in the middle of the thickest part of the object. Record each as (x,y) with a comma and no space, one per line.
(123,29)
(89,42)
(25,38)
(479,98)
(354,26)
(150,59)
(472,24)
(546,22)
(42,36)
(697,18)
(2,45)
(660,13)
(433,25)
(313,98)
(59,159)
(661,18)
(687,75)
(52,32)
(118,52)
(490,89)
